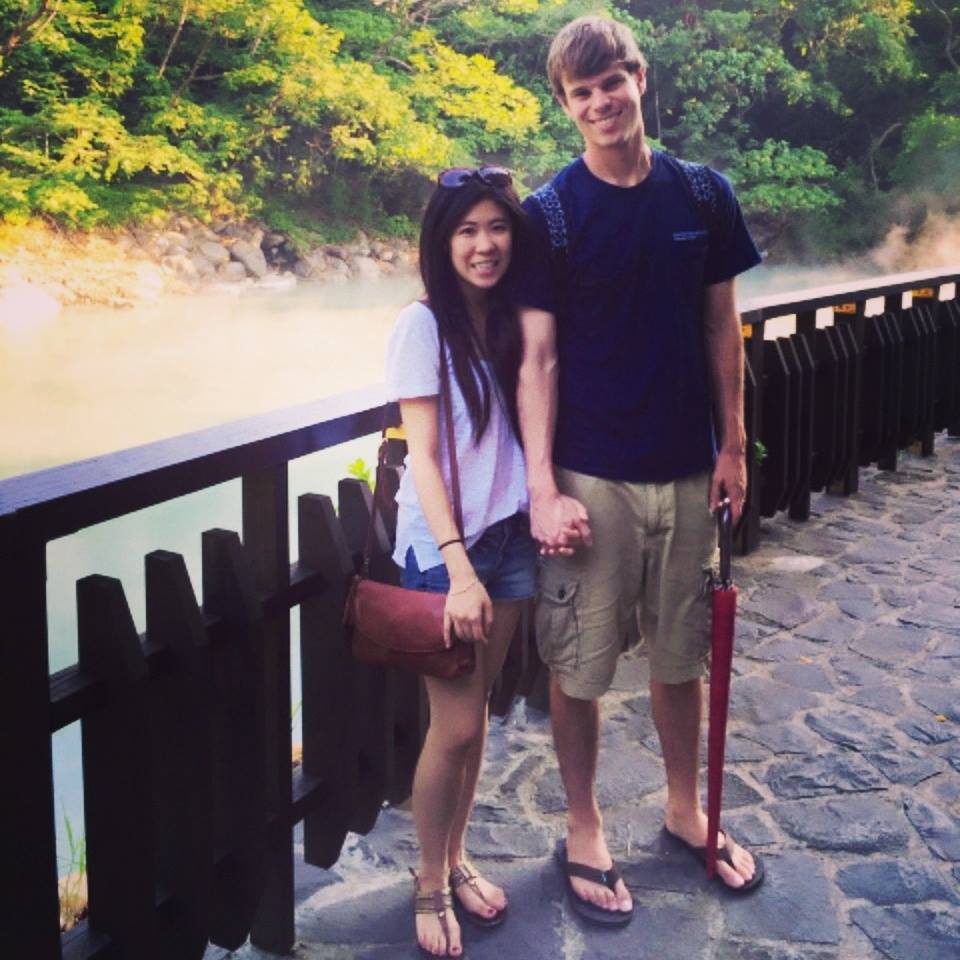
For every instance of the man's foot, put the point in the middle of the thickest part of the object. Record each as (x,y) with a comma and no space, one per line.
(590,849)
(438,933)
(608,879)
(737,868)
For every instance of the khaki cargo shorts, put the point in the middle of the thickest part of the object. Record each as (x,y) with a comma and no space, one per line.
(654,551)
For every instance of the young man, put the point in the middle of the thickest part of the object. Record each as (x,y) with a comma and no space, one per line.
(631,410)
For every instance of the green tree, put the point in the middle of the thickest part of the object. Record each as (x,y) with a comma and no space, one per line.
(824,112)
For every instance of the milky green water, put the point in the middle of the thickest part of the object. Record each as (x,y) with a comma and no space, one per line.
(87,381)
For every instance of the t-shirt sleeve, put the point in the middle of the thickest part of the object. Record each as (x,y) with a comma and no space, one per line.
(413,355)
(732,250)
(534,282)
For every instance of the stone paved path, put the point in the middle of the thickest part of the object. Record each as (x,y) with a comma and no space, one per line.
(844,769)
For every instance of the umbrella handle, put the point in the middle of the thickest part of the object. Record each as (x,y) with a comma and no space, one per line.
(725,536)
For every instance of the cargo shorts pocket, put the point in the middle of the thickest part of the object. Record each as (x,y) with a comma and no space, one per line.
(558,625)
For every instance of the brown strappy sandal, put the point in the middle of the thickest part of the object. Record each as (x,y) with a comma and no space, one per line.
(435,903)
(465,874)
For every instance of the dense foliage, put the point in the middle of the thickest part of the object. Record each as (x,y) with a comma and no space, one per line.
(831,116)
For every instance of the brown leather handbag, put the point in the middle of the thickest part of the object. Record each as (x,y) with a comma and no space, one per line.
(396,627)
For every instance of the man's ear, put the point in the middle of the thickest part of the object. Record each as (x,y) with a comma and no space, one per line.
(562,100)
(640,76)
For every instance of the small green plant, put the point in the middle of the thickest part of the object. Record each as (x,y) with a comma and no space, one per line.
(361,471)
(760,452)
(397,226)
(73,884)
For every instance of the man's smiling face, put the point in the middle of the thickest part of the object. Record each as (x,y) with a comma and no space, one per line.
(606,106)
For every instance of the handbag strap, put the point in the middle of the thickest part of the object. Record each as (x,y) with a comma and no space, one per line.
(379,488)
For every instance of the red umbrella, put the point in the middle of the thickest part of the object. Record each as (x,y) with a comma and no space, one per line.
(721,663)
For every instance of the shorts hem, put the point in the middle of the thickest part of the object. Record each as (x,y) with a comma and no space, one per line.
(677,676)
(523,596)
(577,689)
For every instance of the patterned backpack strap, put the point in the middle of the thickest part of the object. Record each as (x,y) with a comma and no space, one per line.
(549,202)
(702,189)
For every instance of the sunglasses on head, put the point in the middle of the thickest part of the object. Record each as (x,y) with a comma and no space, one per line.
(491,176)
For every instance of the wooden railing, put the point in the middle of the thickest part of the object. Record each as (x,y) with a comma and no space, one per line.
(189,795)
(825,402)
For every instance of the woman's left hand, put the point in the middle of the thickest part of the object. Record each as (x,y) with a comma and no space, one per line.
(468,614)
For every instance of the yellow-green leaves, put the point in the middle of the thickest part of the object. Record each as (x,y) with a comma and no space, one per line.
(469,89)
(776,178)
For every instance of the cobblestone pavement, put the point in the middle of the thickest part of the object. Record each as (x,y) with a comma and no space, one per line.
(843,769)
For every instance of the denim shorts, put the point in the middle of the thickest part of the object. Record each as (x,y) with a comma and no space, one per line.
(504,558)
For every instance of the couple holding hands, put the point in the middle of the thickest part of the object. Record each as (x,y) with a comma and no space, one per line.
(596,397)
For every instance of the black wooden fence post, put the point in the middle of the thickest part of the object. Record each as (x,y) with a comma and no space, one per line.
(30,908)
(117,785)
(806,327)
(374,728)
(851,328)
(893,307)
(329,734)
(239,737)
(748,535)
(183,758)
(267,543)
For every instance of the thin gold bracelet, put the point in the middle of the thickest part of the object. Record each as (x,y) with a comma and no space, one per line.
(469,586)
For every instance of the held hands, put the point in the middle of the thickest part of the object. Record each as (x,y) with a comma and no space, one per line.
(468,613)
(729,480)
(559,523)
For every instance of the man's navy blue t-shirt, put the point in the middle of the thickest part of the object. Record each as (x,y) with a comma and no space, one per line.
(634,399)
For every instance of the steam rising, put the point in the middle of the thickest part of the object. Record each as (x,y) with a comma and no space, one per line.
(935,244)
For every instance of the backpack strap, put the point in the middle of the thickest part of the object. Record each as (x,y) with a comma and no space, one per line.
(702,189)
(547,198)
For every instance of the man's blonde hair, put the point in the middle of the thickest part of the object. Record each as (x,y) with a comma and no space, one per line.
(590,45)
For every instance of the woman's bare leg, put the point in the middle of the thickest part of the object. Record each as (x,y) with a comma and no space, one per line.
(506,617)
(456,723)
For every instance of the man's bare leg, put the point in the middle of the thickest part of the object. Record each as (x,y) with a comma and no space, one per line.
(576,736)
(678,713)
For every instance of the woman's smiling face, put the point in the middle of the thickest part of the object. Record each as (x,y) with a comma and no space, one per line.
(480,246)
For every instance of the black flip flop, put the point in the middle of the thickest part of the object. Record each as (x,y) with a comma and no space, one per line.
(583,908)
(723,853)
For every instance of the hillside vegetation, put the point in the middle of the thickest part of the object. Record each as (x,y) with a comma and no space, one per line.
(835,118)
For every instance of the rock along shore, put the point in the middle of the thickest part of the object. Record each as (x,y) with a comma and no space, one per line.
(43,269)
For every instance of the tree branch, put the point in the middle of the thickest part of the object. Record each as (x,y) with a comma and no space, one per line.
(875,144)
(47,10)
(261,33)
(402,64)
(175,38)
(949,43)
(193,70)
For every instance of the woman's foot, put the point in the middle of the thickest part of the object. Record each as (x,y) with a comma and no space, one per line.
(483,902)
(438,933)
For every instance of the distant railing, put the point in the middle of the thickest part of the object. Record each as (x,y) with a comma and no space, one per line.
(189,795)
(824,402)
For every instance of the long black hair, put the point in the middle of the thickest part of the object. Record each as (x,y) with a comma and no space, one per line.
(445,210)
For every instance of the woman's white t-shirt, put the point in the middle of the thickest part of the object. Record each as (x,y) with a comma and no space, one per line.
(492,475)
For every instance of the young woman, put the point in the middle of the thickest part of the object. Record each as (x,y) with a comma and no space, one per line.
(471,230)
